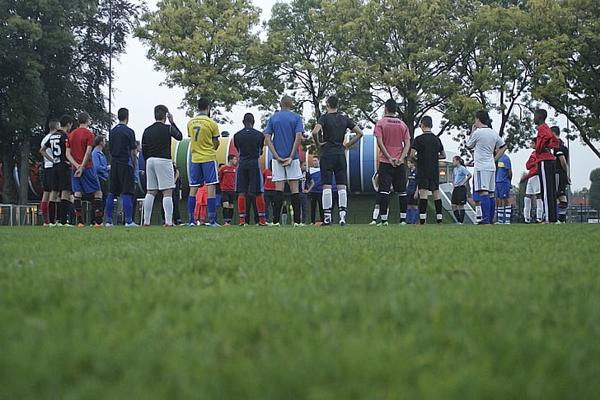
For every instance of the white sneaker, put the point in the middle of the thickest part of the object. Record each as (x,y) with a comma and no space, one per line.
(132,225)
(403,223)
(342,223)
(384,223)
(108,225)
(373,223)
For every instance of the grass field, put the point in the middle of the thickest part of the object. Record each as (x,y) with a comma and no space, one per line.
(279,313)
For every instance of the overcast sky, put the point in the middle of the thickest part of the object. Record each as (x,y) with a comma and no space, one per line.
(137,86)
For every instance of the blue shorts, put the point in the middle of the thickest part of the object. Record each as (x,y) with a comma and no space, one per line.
(502,190)
(87,183)
(203,174)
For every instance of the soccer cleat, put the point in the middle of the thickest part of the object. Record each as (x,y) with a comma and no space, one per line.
(558,223)
(80,225)
(191,225)
(373,223)
(262,224)
(167,225)
(98,226)
(132,225)
(383,223)
(243,224)
(277,224)
(67,226)
(403,223)
(298,225)
(342,223)
(213,225)
(108,225)
(46,225)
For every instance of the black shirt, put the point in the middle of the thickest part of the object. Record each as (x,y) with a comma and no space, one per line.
(428,147)
(335,126)
(249,143)
(156,141)
(561,150)
(121,141)
(57,143)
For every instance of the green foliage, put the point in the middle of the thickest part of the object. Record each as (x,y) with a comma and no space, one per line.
(595,189)
(343,313)
(205,47)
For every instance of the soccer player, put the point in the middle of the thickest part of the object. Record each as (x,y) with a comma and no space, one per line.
(563,178)
(227,175)
(315,190)
(62,160)
(48,207)
(393,140)
(156,150)
(334,126)
(249,143)
(460,177)
(270,191)
(503,184)
(377,206)
(532,191)
(204,140)
(485,143)
(545,144)
(412,194)
(428,150)
(123,151)
(84,179)
(282,135)
(101,167)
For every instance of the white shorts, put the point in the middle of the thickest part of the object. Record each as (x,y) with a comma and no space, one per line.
(159,174)
(484,181)
(533,185)
(290,173)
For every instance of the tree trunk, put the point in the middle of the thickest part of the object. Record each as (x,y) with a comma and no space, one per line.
(24,172)
(9,191)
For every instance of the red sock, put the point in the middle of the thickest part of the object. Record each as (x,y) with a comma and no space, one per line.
(44,209)
(242,208)
(261,206)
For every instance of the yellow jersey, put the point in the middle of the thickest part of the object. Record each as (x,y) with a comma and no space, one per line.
(201,131)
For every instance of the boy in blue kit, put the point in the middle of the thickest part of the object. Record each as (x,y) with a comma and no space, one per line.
(503,183)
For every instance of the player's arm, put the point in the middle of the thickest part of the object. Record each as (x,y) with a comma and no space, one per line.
(86,158)
(466,180)
(500,152)
(413,153)
(271,147)
(173,129)
(72,161)
(44,153)
(563,161)
(297,141)
(442,151)
(406,149)
(315,135)
(358,135)
(382,148)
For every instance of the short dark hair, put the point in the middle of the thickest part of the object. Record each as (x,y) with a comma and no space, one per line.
(160,112)
(66,120)
(203,104)
(427,122)
(460,160)
(99,139)
(123,114)
(248,119)
(556,130)
(53,124)
(484,117)
(332,101)
(230,157)
(391,106)
(542,113)
(83,117)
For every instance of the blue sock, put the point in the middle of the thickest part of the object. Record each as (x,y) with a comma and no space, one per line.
(412,215)
(492,209)
(212,210)
(486,207)
(191,208)
(128,208)
(110,205)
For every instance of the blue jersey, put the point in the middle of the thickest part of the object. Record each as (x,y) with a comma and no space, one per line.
(282,127)
(315,177)
(100,164)
(503,168)
(411,187)
(460,173)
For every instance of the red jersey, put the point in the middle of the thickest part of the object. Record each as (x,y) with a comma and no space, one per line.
(393,131)
(227,178)
(545,143)
(268,179)
(78,142)
(531,165)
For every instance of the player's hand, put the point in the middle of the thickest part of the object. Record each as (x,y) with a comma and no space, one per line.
(79,172)
(170,118)
(286,161)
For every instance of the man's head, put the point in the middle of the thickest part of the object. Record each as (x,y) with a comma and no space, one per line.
(315,162)
(204,105)
(100,141)
(66,123)
(410,163)
(53,125)
(248,120)
(426,123)
(556,130)
(303,166)
(232,160)
(160,113)
(123,115)
(482,118)
(539,116)
(83,118)
(287,103)
(332,103)
(391,107)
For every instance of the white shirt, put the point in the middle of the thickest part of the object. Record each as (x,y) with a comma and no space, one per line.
(485,141)
(47,164)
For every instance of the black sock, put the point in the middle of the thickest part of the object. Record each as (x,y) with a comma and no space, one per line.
(462,215)
(457,215)
(52,212)
(422,210)
(296,208)
(438,210)
(277,208)
(63,211)
(403,200)
(384,204)
(78,211)
(98,211)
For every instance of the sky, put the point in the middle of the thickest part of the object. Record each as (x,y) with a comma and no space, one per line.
(138,86)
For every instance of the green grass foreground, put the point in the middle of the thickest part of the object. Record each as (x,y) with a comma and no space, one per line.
(359,312)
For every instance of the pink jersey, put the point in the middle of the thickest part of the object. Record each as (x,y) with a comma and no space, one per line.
(393,131)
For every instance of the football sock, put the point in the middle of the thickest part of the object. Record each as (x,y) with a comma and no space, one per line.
(500,214)
(78,216)
(343,203)
(457,215)
(384,205)
(563,207)
(212,210)
(63,211)
(295,198)
(327,205)
(438,211)
(492,211)
(44,209)
(98,211)
(191,205)
(485,209)
(277,207)
(241,203)
(127,208)
(507,214)
(527,209)
(110,205)
(260,207)
(478,213)
(52,208)
(413,215)
(422,211)
(403,205)
(539,209)
(376,212)
(461,212)
(168,208)
(148,205)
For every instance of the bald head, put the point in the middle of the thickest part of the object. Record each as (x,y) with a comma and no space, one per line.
(287,102)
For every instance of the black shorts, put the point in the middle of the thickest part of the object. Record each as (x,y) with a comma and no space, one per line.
(392,176)
(61,178)
(228,197)
(459,196)
(430,183)
(412,201)
(249,179)
(561,184)
(334,165)
(122,179)
(46,179)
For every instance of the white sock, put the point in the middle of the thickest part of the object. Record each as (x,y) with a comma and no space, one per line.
(478,213)
(507,214)
(500,214)
(376,213)
(384,218)
(327,204)
(343,203)
(527,208)
(168,207)
(148,205)
(540,209)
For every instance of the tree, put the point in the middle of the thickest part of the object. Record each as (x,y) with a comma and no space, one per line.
(203,46)
(595,189)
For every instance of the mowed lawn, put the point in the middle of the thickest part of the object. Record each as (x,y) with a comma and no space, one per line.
(359,312)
